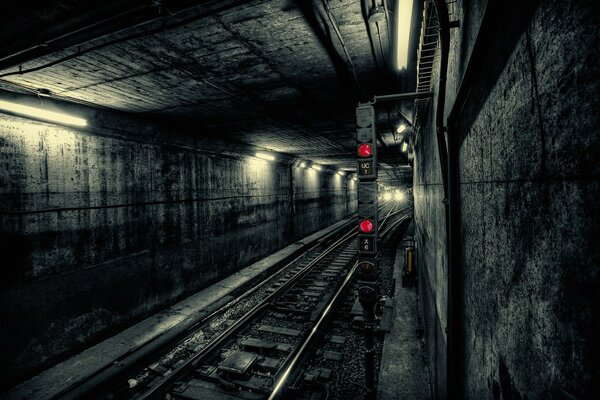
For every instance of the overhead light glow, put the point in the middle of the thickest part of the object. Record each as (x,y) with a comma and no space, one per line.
(316,167)
(401,128)
(387,196)
(302,164)
(404,146)
(341,173)
(265,156)
(39,113)
(398,196)
(404,21)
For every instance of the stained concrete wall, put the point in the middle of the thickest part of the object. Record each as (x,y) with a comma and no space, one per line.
(101,227)
(529,205)
(430,238)
(311,208)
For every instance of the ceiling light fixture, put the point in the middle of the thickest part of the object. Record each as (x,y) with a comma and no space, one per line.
(265,156)
(316,167)
(341,173)
(39,113)
(302,164)
(404,146)
(401,128)
(404,21)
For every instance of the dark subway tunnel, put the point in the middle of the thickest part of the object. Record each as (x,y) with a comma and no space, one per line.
(276,199)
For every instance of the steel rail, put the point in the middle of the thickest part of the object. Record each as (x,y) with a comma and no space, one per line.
(395,223)
(388,214)
(130,361)
(279,388)
(394,213)
(250,315)
(158,389)
(294,366)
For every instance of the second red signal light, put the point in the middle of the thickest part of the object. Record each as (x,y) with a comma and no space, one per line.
(366,226)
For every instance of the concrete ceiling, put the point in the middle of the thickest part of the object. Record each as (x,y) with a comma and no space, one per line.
(281,74)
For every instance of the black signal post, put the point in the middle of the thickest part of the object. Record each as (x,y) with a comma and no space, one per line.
(368,289)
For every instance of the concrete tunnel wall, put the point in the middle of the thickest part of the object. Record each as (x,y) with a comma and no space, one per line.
(100,229)
(529,192)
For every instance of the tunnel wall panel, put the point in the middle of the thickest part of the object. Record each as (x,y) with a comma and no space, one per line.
(529,217)
(102,231)
(311,208)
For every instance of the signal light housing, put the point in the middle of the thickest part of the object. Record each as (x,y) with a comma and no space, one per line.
(367,270)
(367,294)
(366,142)
(366,146)
(367,218)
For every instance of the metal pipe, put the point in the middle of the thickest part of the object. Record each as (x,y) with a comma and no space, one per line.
(71,39)
(387,22)
(338,33)
(456,378)
(365,12)
(455,367)
(401,96)
(46,46)
(456,370)
(480,50)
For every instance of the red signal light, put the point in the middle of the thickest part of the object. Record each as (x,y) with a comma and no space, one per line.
(366,226)
(365,150)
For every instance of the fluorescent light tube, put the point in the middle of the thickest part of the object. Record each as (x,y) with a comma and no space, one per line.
(265,156)
(404,22)
(39,113)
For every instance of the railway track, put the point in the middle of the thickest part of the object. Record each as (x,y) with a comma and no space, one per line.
(333,366)
(268,332)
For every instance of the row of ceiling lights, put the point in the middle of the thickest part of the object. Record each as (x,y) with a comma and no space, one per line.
(303,164)
(317,167)
(62,118)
